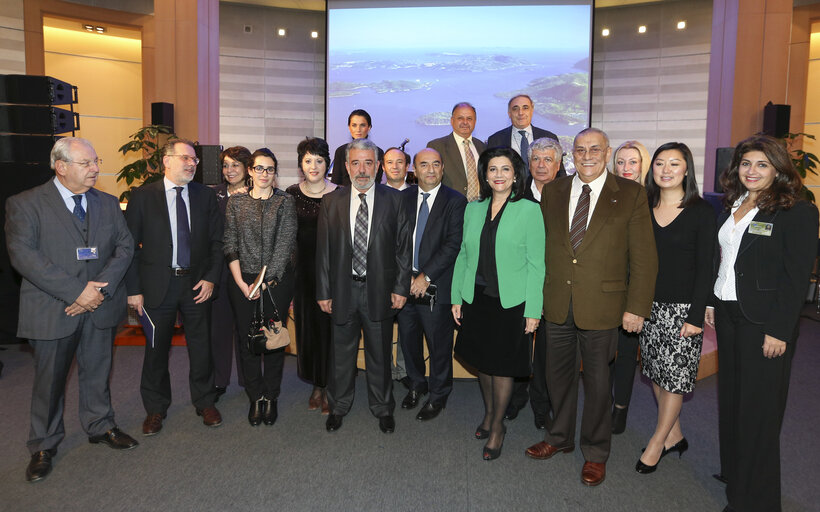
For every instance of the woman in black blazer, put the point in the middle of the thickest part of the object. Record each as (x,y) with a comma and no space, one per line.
(768,243)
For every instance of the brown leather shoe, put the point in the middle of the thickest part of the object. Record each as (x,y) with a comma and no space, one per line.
(152,424)
(593,473)
(544,450)
(210,416)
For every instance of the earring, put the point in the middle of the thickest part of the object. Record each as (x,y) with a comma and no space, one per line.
(250,181)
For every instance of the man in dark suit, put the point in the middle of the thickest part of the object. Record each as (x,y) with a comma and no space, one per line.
(359,125)
(437,217)
(521,134)
(177,227)
(72,247)
(544,157)
(362,279)
(602,268)
(460,152)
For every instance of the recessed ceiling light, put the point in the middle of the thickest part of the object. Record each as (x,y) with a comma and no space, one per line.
(605,32)
(681,25)
(100,30)
(314,34)
(642,29)
(90,28)
(282,32)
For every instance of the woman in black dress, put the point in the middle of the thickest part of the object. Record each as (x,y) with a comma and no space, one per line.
(312,325)
(671,340)
(768,243)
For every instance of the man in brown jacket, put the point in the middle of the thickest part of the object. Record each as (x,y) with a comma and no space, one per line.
(601,269)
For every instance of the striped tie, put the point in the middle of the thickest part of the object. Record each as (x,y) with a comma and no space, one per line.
(579,221)
(360,238)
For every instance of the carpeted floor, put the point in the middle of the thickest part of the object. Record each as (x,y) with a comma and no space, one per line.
(297,465)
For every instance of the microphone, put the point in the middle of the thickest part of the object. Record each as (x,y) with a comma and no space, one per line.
(404,143)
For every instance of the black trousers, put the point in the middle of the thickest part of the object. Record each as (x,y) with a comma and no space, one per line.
(52,362)
(225,336)
(262,373)
(623,367)
(752,392)
(438,326)
(597,349)
(534,388)
(377,352)
(155,386)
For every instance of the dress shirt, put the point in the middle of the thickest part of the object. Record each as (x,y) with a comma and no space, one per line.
(515,143)
(68,196)
(596,185)
(171,200)
(537,194)
(729,236)
(460,144)
(430,201)
(354,209)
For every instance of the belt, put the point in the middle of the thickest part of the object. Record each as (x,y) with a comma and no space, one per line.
(177,272)
(360,279)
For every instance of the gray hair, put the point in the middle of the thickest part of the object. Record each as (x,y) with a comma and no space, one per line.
(592,130)
(62,149)
(545,144)
(362,144)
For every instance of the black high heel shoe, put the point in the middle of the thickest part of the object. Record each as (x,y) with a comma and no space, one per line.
(481,433)
(645,469)
(680,447)
(492,454)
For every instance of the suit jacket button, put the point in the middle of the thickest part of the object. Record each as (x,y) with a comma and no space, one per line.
(575,261)
(569,282)
(740,274)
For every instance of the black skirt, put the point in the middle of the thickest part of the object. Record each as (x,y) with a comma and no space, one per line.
(492,338)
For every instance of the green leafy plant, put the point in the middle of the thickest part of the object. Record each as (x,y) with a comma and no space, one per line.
(146,169)
(803,161)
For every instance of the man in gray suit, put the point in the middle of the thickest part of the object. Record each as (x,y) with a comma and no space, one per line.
(72,247)
(460,152)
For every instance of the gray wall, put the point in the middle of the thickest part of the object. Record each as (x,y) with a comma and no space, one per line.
(12,40)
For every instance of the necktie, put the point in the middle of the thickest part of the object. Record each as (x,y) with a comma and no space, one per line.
(579,220)
(78,207)
(473,190)
(525,145)
(183,232)
(424,212)
(360,238)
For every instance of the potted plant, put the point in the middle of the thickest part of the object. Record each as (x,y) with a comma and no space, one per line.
(804,162)
(147,169)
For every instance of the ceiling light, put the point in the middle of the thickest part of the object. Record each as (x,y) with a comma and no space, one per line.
(90,28)
(605,32)
(100,30)
(681,25)
(642,29)
(314,34)
(282,32)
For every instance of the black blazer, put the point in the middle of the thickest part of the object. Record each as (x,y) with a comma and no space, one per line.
(772,272)
(147,218)
(389,253)
(339,176)
(442,236)
(502,139)
(221,191)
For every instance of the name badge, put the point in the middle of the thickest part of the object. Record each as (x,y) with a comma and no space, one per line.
(87,253)
(761,228)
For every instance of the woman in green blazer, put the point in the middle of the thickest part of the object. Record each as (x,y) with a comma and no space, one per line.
(497,286)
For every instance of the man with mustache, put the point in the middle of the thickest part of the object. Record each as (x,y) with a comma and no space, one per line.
(460,152)
(363,250)
(178,230)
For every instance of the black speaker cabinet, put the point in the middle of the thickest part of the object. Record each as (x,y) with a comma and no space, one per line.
(723,159)
(36,90)
(26,148)
(776,119)
(162,113)
(27,119)
(208,171)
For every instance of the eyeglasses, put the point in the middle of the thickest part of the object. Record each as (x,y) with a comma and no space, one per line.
(85,164)
(593,151)
(267,170)
(234,165)
(187,159)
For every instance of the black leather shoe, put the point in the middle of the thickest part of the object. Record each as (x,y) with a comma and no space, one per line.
(680,447)
(619,419)
(219,392)
(412,399)
(333,423)
(256,411)
(271,412)
(116,439)
(540,421)
(720,478)
(429,411)
(40,465)
(387,424)
(512,413)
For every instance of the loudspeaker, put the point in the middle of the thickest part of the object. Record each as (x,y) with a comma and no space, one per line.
(776,119)
(723,159)
(27,119)
(26,148)
(162,113)
(208,171)
(36,90)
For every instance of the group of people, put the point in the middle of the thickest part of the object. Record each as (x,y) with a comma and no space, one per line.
(549,278)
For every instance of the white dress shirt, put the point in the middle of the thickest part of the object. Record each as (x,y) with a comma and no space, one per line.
(430,200)
(536,193)
(68,197)
(596,185)
(729,236)
(354,209)
(515,137)
(171,200)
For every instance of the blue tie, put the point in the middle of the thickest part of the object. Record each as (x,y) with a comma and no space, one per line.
(183,232)
(525,146)
(421,223)
(78,207)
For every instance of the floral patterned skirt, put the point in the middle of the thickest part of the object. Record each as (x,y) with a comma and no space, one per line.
(669,360)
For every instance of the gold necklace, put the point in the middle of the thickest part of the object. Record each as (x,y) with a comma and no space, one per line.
(314,192)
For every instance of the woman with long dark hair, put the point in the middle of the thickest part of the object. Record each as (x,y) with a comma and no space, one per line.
(768,243)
